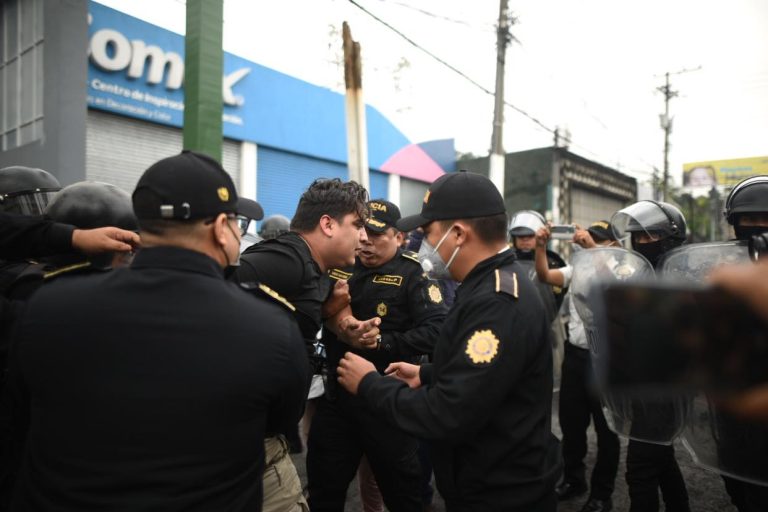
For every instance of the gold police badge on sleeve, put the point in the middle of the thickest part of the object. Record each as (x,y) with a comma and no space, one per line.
(482,346)
(434,294)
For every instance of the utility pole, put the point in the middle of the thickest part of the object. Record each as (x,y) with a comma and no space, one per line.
(666,124)
(203,66)
(496,159)
(357,142)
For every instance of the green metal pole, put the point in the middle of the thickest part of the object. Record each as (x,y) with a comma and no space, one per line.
(203,69)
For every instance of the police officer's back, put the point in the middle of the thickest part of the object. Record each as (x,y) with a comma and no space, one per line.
(146,386)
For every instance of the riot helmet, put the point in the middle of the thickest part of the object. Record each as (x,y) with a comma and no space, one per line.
(526,223)
(26,190)
(273,226)
(749,196)
(92,204)
(654,227)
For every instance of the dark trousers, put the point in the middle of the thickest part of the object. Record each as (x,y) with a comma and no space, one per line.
(341,433)
(650,467)
(746,497)
(579,403)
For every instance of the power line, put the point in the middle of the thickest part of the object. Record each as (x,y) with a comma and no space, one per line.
(487,28)
(475,83)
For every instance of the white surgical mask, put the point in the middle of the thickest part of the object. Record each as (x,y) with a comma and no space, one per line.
(431,261)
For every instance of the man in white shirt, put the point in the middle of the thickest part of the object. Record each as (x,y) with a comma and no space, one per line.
(578,399)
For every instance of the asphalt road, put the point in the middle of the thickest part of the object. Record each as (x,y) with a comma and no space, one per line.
(706,490)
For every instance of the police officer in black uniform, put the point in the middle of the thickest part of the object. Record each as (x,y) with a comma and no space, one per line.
(485,402)
(389,283)
(149,387)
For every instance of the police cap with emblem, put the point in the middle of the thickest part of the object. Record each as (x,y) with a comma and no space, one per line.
(188,186)
(601,231)
(456,195)
(383,215)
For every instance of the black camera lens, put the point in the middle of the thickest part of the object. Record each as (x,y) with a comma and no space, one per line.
(758,246)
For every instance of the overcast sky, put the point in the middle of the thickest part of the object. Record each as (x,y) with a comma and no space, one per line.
(591,66)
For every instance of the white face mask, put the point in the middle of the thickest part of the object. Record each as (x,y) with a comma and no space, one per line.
(431,261)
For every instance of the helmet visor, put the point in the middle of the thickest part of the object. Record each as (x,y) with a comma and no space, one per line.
(644,217)
(525,223)
(27,203)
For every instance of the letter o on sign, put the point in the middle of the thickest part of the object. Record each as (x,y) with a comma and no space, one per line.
(121,56)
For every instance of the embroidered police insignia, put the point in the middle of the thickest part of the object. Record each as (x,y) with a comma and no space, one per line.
(482,346)
(434,294)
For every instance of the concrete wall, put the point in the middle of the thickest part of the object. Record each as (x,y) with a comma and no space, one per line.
(61,151)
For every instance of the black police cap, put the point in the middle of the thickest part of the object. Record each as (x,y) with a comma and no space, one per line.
(601,230)
(383,215)
(187,186)
(458,195)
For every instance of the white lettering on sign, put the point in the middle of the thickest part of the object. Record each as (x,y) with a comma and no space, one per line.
(111,51)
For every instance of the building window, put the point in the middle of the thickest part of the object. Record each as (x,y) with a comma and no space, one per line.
(21,72)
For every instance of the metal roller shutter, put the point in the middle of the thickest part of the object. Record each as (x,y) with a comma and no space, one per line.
(588,207)
(283,177)
(411,196)
(119,149)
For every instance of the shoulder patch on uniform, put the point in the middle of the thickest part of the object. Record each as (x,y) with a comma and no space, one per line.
(64,270)
(482,347)
(434,293)
(276,296)
(388,279)
(506,282)
(410,255)
(339,274)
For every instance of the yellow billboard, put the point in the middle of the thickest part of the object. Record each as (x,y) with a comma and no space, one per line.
(725,173)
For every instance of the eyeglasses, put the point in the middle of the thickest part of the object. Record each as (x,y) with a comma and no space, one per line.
(242,222)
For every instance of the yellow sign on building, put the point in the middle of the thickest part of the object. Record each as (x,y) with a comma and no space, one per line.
(725,173)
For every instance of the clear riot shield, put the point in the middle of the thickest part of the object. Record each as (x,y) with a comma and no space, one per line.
(647,418)
(716,439)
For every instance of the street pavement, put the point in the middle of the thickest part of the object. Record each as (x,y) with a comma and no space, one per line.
(706,490)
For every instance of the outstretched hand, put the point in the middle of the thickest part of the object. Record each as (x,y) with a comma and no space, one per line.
(108,239)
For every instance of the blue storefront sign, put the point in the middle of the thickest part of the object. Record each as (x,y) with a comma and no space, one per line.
(137,69)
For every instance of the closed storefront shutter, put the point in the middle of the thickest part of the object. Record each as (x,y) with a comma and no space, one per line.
(282,177)
(411,196)
(119,149)
(588,207)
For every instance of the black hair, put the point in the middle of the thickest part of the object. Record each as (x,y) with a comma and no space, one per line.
(489,229)
(164,227)
(331,197)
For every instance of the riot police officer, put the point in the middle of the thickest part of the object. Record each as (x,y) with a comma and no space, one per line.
(654,228)
(746,208)
(522,231)
(85,205)
(389,283)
